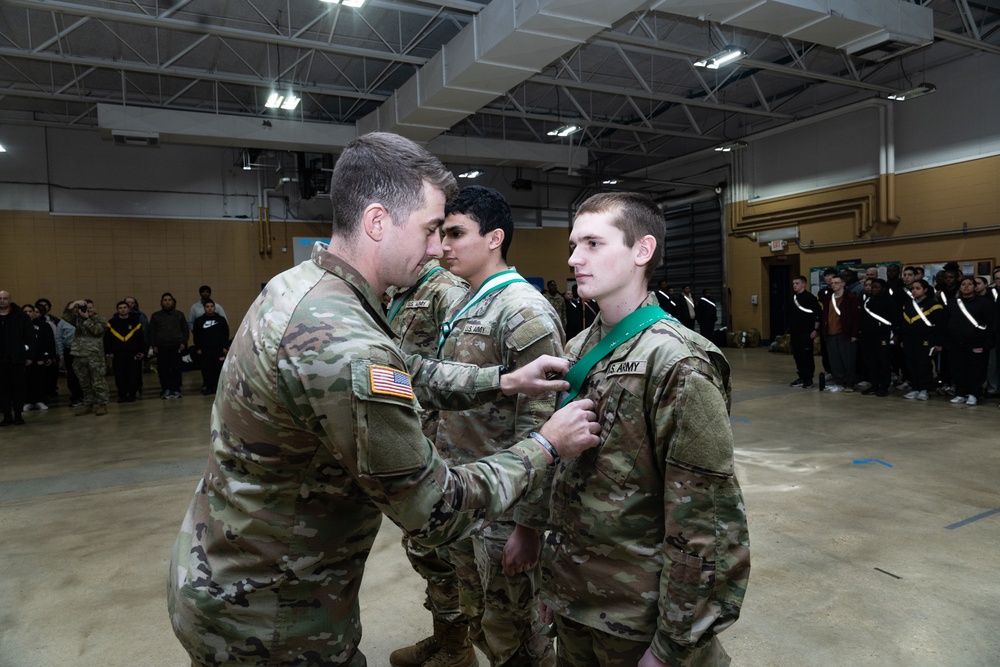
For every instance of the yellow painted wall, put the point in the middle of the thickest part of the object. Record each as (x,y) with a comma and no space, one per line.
(930,200)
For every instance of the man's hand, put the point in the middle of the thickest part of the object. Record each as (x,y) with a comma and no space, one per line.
(573,429)
(650,660)
(545,613)
(522,550)
(540,376)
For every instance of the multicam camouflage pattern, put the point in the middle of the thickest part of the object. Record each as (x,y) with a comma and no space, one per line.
(510,327)
(305,457)
(558,303)
(417,323)
(649,536)
(89,364)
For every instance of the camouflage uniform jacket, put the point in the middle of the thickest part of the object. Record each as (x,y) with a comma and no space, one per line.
(89,339)
(648,534)
(311,443)
(419,318)
(558,302)
(510,327)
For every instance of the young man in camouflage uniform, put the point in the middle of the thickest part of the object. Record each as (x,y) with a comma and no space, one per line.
(316,433)
(503,321)
(416,314)
(88,356)
(648,555)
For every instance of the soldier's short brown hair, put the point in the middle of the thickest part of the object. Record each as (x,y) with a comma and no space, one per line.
(636,214)
(387,169)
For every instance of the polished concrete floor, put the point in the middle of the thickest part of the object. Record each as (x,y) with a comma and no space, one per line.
(875,529)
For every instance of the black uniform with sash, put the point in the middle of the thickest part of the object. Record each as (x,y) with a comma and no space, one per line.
(803,318)
(879,317)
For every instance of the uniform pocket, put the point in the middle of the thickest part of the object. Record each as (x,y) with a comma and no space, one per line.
(624,425)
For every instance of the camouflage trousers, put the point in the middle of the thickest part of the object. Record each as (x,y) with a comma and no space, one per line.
(441,593)
(583,646)
(502,610)
(90,369)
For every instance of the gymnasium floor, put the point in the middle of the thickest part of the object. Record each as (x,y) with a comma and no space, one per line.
(874,524)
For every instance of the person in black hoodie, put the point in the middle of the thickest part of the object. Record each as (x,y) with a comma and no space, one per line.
(211,340)
(17,347)
(921,333)
(879,315)
(970,335)
(36,373)
(126,344)
(803,327)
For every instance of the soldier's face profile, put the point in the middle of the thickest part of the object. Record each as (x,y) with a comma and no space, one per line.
(600,260)
(406,247)
(464,249)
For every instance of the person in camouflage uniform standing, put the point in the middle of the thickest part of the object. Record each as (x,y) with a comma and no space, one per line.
(316,433)
(557,300)
(503,321)
(88,355)
(648,555)
(416,315)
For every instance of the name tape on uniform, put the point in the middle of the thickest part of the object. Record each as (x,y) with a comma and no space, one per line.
(627,368)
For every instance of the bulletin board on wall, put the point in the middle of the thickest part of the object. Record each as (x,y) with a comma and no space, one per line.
(968,267)
(816,272)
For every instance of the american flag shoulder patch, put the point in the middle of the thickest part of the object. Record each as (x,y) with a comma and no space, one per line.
(386,380)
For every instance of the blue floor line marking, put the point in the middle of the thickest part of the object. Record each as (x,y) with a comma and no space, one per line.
(862,462)
(973,518)
(738,419)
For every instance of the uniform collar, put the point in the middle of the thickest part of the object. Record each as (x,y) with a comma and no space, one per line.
(331,263)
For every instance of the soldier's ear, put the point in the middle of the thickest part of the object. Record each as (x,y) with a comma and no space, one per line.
(374,219)
(646,248)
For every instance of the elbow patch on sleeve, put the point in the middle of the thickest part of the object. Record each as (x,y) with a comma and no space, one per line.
(704,437)
(388,428)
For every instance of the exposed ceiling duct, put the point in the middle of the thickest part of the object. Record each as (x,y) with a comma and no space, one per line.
(869,29)
(504,45)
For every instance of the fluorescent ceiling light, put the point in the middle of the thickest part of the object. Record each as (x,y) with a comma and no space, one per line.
(922,89)
(290,102)
(472,173)
(279,101)
(274,101)
(611,181)
(731,146)
(347,3)
(564,131)
(2,149)
(726,56)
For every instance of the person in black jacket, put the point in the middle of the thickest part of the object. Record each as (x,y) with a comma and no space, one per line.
(921,334)
(879,316)
(803,328)
(706,314)
(126,345)
(211,340)
(17,346)
(168,336)
(36,372)
(970,336)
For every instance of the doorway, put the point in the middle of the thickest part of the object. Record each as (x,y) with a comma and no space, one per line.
(779,271)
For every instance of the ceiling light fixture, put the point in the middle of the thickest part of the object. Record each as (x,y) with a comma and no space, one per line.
(922,89)
(564,131)
(246,160)
(347,3)
(726,56)
(472,173)
(279,101)
(611,181)
(2,149)
(731,146)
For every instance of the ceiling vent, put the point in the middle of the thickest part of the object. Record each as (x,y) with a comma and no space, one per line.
(134,138)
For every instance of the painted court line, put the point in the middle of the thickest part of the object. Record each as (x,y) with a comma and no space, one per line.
(973,518)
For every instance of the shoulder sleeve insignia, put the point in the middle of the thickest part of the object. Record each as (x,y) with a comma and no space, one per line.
(386,380)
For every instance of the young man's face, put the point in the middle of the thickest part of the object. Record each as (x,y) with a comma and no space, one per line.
(828,278)
(837,284)
(798,286)
(210,309)
(465,250)
(950,278)
(553,287)
(122,310)
(601,261)
(167,302)
(908,277)
(876,289)
(205,294)
(408,246)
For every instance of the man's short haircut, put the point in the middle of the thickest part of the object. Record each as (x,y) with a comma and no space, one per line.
(879,281)
(167,294)
(911,269)
(387,169)
(488,208)
(831,272)
(207,301)
(802,278)
(43,300)
(121,303)
(204,288)
(636,214)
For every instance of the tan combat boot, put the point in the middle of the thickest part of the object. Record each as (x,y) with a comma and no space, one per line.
(85,410)
(456,648)
(102,409)
(417,654)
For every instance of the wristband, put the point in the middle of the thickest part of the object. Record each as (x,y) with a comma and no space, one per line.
(541,440)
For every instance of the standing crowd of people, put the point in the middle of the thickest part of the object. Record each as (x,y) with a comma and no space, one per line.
(901,333)
(37,347)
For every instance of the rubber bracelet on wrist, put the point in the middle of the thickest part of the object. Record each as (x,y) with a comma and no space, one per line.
(541,440)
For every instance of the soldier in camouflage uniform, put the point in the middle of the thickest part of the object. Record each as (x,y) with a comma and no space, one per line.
(316,433)
(416,315)
(88,355)
(503,321)
(648,555)
(554,297)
